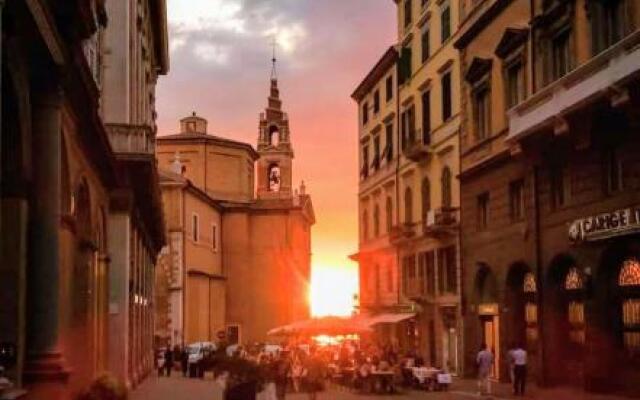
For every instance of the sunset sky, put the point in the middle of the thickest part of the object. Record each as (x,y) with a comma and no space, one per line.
(220,68)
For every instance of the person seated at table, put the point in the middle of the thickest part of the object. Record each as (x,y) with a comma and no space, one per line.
(419,361)
(363,372)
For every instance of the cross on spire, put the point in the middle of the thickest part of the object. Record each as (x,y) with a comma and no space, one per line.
(274,44)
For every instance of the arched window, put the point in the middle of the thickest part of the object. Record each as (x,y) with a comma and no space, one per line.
(274,177)
(274,135)
(629,282)
(389,214)
(376,221)
(446,187)
(426,198)
(530,309)
(574,285)
(365,225)
(408,206)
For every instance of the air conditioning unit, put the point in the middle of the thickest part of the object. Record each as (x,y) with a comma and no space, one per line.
(430,219)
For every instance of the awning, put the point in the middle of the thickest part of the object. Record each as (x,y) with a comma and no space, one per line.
(391,318)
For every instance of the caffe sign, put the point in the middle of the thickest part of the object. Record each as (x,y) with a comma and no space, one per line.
(603,226)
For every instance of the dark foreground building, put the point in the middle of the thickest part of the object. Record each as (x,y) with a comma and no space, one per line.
(550,188)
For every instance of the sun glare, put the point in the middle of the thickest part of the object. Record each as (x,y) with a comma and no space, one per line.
(332,290)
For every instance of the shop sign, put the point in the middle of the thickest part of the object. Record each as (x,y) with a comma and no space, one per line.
(603,226)
(488,309)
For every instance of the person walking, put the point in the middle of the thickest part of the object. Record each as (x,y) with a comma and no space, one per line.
(519,355)
(315,375)
(184,361)
(168,360)
(484,360)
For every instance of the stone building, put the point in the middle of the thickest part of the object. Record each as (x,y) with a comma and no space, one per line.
(138,53)
(417,185)
(61,180)
(550,190)
(233,247)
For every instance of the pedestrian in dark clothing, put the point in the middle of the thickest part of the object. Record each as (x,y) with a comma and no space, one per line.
(281,376)
(168,361)
(184,361)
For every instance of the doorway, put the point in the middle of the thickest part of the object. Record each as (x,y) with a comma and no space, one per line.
(491,337)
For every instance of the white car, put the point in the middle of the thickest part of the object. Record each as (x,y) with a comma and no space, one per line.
(196,351)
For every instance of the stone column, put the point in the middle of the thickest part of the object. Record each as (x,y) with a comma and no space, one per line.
(45,372)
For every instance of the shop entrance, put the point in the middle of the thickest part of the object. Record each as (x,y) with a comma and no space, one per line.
(490,322)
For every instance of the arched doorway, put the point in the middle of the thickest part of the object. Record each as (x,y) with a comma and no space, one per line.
(486,298)
(616,324)
(566,333)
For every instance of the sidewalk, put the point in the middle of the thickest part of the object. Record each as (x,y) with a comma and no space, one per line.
(469,388)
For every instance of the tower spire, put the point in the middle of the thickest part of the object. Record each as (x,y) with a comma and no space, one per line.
(274,73)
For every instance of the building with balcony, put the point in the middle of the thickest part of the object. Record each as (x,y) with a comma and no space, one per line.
(550,199)
(429,119)
(68,181)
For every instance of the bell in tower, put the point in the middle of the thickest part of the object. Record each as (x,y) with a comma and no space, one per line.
(274,147)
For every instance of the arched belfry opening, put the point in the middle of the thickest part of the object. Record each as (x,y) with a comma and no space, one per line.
(274,177)
(274,136)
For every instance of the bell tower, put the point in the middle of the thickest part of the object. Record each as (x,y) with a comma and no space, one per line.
(274,147)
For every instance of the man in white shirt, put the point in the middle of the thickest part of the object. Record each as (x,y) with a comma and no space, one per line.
(519,356)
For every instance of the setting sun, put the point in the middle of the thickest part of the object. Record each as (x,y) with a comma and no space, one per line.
(332,290)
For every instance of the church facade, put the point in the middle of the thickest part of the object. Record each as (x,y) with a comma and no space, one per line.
(239,254)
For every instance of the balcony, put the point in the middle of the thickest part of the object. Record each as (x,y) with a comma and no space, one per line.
(417,149)
(401,233)
(440,221)
(131,139)
(606,74)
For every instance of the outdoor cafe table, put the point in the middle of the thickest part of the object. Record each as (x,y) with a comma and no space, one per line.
(425,375)
(381,377)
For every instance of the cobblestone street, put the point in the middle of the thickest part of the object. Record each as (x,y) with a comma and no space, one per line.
(179,388)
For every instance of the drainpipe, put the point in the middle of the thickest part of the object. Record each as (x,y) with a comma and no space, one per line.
(397,185)
(2,2)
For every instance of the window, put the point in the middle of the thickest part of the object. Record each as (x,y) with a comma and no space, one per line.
(389,88)
(214,237)
(426,117)
(516,200)
(607,23)
(376,101)
(376,153)
(514,84)
(483,210)
(388,153)
(447,272)
(405,64)
(408,271)
(446,96)
(389,278)
(365,162)
(482,112)
(446,187)
(195,228)
(408,119)
(530,309)
(365,225)
(389,214)
(407,12)
(408,206)
(424,41)
(629,281)
(376,221)
(430,266)
(561,54)
(574,285)
(445,22)
(426,198)
(612,170)
(558,189)
(365,113)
